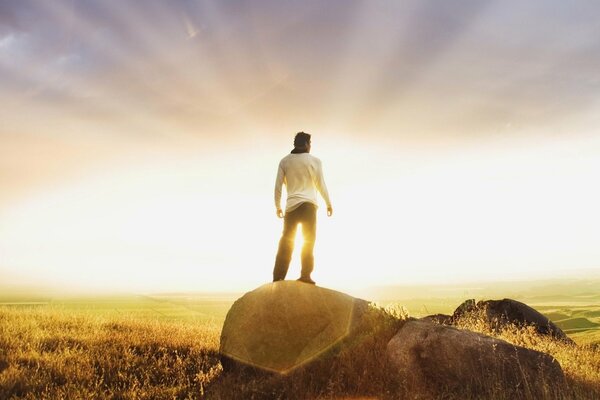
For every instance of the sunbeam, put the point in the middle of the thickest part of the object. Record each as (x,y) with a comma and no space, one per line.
(139,143)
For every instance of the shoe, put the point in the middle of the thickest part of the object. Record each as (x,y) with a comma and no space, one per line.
(307,280)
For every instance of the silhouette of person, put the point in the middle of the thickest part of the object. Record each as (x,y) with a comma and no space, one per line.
(302,174)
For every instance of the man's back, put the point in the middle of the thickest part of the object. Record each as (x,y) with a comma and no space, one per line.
(303,176)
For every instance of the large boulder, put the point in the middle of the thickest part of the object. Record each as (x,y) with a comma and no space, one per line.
(282,325)
(499,313)
(435,360)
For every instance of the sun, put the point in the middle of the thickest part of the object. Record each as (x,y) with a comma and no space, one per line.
(299,240)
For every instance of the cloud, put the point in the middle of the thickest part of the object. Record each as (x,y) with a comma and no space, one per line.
(345,61)
(216,72)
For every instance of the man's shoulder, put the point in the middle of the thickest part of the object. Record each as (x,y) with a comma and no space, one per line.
(314,160)
(301,158)
(285,159)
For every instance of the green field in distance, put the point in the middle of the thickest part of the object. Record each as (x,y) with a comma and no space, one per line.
(573,305)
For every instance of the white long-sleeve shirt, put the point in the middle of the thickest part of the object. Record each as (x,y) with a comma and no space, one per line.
(303,176)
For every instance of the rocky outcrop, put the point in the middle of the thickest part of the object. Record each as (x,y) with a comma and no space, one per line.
(435,360)
(499,313)
(288,331)
(282,325)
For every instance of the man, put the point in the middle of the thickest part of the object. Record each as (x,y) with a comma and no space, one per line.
(303,176)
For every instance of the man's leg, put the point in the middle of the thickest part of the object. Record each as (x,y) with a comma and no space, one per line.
(286,246)
(309,231)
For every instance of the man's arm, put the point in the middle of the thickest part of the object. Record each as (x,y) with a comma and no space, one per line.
(278,186)
(322,188)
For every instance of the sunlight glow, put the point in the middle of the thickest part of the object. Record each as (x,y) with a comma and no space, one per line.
(156,227)
(296,256)
(139,145)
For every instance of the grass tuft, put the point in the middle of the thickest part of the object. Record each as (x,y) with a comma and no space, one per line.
(580,363)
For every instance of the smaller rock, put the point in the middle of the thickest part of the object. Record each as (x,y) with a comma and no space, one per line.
(435,360)
(499,313)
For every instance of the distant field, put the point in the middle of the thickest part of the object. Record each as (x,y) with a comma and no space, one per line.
(574,306)
(582,323)
(189,308)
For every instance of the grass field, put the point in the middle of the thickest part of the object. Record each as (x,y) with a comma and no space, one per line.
(166,346)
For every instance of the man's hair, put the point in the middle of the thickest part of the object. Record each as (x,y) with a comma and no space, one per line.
(302,139)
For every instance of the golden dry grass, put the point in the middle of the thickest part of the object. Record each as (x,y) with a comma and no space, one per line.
(51,353)
(581,363)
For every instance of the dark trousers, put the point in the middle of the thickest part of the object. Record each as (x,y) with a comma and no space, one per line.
(305,214)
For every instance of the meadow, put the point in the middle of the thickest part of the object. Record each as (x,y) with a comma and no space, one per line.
(166,347)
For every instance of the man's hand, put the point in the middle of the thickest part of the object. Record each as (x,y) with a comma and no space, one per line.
(279,213)
(329,211)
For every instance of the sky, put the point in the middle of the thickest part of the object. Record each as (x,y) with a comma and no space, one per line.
(139,141)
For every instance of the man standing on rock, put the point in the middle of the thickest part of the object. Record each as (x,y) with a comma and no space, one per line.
(303,176)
